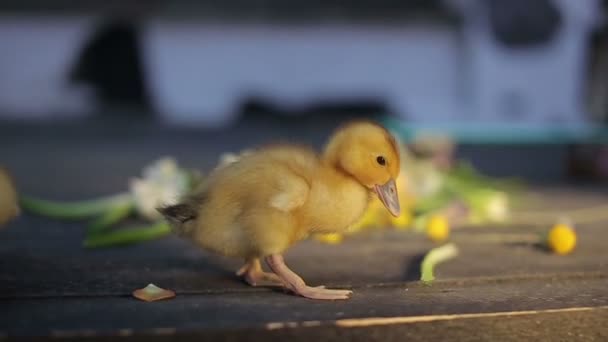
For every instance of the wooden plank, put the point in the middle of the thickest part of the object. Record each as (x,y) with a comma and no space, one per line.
(268,310)
(42,261)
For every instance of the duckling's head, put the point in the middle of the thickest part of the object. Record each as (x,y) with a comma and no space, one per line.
(368,153)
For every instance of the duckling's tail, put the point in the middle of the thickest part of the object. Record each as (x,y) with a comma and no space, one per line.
(181,218)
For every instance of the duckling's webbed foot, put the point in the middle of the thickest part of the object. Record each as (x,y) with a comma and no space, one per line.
(253,274)
(296,284)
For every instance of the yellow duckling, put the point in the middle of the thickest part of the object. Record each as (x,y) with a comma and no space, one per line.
(260,205)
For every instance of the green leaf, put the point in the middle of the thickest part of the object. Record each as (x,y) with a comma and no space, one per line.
(434,257)
(434,202)
(465,176)
(128,236)
(73,210)
(110,217)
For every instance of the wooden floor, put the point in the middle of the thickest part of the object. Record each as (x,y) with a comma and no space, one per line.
(51,287)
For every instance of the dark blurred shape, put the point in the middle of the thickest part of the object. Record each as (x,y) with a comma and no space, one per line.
(597,72)
(523,23)
(588,162)
(259,109)
(111,63)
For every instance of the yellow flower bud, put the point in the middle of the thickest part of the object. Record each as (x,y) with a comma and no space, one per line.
(438,228)
(561,239)
(404,220)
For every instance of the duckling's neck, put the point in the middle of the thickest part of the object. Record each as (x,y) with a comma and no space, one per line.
(337,200)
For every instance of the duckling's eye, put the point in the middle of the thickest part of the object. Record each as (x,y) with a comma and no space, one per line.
(381,160)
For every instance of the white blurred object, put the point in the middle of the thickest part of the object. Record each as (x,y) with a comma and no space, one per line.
(200,73)
(37,54)
(532,85)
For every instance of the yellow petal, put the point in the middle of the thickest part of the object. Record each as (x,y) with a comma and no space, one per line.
(152,293)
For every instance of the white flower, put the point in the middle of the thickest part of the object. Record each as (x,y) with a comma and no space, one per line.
(423,178)
(163,183)
(497,207)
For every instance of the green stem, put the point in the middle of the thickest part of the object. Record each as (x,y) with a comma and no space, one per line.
(110,217)
(73,210)
(433,258)
(128,236)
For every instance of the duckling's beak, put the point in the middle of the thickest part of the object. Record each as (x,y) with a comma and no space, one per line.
(389,197)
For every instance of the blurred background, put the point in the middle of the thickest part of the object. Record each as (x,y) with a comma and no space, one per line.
(521,86)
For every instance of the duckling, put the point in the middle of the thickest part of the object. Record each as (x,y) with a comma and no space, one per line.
(263,202)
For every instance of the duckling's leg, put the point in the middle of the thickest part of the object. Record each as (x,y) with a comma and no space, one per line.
(253,274)
(297,285)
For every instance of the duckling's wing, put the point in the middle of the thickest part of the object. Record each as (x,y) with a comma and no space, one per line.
(292,192)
